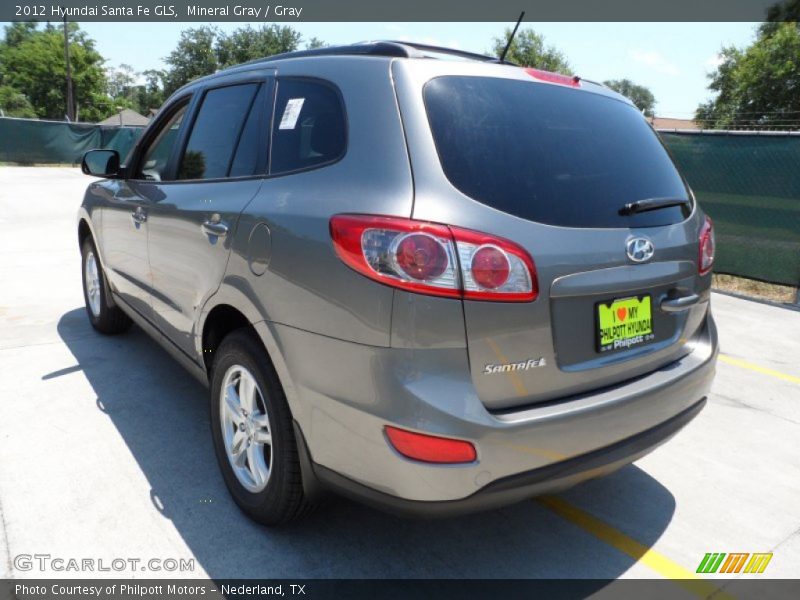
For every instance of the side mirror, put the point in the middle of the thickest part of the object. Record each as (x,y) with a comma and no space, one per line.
(101,163)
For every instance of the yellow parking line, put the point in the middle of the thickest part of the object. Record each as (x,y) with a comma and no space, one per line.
(627,545)
(738,362)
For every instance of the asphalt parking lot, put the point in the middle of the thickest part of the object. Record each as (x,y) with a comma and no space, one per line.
(105,453)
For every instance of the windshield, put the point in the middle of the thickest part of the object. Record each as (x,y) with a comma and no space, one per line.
(551,154)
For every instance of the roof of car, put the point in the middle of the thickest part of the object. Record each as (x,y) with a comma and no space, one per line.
(382,48)
(387,49)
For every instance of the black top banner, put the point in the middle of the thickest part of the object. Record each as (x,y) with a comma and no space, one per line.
(266,11)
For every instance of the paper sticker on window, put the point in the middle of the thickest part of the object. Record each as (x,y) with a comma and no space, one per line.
(291,113)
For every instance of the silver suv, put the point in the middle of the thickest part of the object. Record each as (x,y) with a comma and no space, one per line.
(433,285)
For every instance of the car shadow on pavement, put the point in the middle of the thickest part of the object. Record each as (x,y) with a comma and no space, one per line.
(161,414)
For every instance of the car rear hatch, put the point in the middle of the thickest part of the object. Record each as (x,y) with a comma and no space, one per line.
(551,167)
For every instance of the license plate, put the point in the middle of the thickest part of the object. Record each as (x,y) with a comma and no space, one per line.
(624,323)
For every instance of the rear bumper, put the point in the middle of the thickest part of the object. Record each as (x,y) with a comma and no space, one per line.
(516,488)
(341,412)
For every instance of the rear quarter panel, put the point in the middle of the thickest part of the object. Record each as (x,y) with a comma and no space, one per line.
(282,258)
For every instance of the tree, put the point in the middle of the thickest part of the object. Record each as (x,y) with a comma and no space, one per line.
(779,13)
(315,43)
(203,50)
(247,43)
(193,57)
(33,64)
(759,86)
(121,81)
(15,104)
(151,94)
(528,50)
(641,96)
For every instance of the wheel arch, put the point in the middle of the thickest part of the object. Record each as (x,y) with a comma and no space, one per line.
(229,309)
(231,306)
(84,231)
(221,320)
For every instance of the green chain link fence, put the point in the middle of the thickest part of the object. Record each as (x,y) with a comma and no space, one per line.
(748,183)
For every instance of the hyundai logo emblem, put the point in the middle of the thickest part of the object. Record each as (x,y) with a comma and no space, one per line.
(640,249)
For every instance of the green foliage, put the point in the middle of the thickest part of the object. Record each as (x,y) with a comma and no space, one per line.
(779,13)
(314,43)
(33,70)
(203,50)
(193,57)
(151,93)
(120,81)
(641,96)
(125,91)
(247,43)
(759,86)
(33,63)
(529,50)
(15,104)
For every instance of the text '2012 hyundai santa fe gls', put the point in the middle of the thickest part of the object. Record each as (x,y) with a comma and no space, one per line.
(433,285)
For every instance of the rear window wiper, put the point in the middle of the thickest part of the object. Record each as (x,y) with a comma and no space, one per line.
(631,208)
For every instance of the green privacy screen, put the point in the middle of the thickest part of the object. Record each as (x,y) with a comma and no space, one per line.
(750,186)
(29,142)
(748,183)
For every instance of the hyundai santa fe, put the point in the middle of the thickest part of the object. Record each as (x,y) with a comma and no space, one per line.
(425,279)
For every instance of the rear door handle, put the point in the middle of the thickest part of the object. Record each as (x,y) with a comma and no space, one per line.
(139,216)
(674,305)
(215,228)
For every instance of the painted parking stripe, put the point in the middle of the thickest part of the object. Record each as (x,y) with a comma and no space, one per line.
(636,550)
(738,362)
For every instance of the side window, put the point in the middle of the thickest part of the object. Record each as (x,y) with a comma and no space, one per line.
(254,139)
(216,131)
(154,162)
(309,126)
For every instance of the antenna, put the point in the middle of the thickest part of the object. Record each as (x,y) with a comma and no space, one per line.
(511,38)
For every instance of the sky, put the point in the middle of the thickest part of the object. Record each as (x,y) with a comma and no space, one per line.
(672,59)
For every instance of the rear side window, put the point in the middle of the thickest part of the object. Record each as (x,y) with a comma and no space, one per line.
(309,127)
(253,140)
(549,153)
(216,132)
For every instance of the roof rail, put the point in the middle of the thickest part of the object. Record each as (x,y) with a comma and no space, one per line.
(363,48)
(452,51)
(379,48)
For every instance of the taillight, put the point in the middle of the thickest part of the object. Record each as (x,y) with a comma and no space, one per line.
(707,247)
(435,259)
(494,268)
(430,448)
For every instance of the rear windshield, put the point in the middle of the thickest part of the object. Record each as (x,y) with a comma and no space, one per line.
(550,153)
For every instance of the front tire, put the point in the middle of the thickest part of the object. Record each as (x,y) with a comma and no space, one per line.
(251,426)
(103,316)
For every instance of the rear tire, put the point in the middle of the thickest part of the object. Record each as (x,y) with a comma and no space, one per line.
(253,433)
(103,316)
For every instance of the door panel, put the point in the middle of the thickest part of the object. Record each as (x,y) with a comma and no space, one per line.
(124,244)
(193,218)
(187,260)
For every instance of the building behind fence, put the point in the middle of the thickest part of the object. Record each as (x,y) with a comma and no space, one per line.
(749,183)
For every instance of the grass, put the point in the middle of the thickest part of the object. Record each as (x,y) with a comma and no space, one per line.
(755,289)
